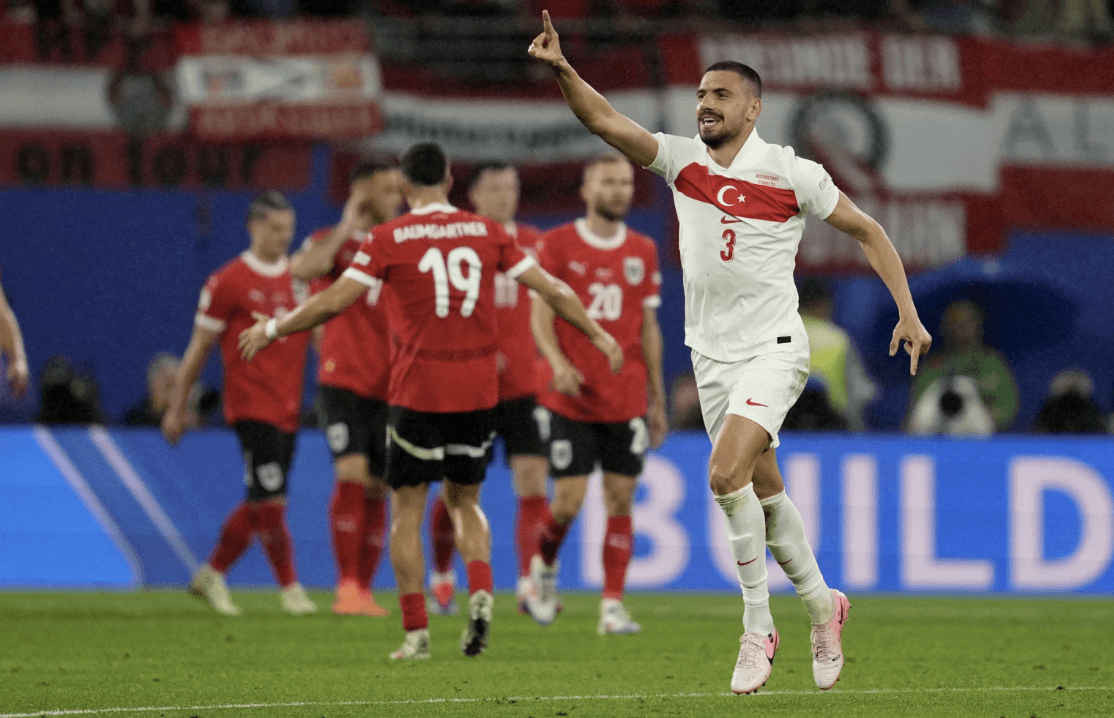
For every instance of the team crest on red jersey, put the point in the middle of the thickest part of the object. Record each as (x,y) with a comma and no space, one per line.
(634,270)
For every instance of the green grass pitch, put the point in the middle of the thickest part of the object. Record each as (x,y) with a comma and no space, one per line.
(167,654)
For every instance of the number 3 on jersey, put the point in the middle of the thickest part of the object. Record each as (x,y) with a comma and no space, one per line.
(728,252)
(450,269)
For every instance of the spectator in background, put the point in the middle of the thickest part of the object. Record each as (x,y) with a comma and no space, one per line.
(1069,408)
(684,404)
(11,348)
(161,373)
(965,354)
(836,369)
(68,397)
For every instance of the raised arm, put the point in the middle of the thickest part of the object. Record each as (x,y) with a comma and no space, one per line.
(884,259)
(317,258)
(313,312)
(201,344)
(11,345)
(567,305)
(589,106)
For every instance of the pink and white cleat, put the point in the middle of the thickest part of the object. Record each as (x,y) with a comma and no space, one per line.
(756,660)
(827,647)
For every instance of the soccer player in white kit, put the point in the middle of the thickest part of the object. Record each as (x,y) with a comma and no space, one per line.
(740,205)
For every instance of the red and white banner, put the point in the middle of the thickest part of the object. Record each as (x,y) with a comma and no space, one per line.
(948,142)
(302,79)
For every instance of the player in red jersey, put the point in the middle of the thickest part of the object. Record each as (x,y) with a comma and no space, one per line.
(597,420)
(353,373)
(493,191)
(261,399)
(438,266)
(11,347)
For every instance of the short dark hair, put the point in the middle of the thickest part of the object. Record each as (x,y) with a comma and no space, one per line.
(607,157)
(269,201)
(744,71)
(368,167)
(479,170)
(425,165)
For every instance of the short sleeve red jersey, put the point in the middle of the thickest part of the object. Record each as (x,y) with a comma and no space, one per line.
(518,356)
(438,266)
(269,387)
(354,346)
(616,279)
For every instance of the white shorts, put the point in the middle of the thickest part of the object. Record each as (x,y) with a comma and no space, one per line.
(760,388)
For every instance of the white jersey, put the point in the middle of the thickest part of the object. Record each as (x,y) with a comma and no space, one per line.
(739,231)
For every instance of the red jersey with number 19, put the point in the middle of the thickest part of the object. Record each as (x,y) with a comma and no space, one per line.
(354,346)
(269,387)
(518,357)
(615,278)
(438,266)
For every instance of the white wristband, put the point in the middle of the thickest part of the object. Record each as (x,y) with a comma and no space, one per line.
(270,329)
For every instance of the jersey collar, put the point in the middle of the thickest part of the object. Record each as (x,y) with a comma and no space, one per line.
(594,240)
(748,154)
(257,265)
(435,207)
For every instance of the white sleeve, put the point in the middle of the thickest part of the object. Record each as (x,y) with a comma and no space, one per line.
(816,191)
(667,163)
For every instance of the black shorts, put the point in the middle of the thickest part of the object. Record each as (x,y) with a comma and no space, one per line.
(577,448)
(423,447)
(523,425)
(354,425)
(268,452)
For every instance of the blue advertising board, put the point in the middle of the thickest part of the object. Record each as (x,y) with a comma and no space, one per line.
(884,513)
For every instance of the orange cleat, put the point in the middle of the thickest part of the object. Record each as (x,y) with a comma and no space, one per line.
(350,600)
(370,607)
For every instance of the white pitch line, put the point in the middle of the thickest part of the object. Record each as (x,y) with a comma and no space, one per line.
(523,699)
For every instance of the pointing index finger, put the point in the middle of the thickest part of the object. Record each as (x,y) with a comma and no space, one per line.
(546,22)
(914,355)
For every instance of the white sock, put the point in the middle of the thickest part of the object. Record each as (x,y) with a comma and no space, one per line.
(785,537)
(745,531)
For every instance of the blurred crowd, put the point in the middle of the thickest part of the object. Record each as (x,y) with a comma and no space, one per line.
(963,387)
(1075,21)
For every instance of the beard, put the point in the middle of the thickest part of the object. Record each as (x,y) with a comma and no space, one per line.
(610,214)
(718,139)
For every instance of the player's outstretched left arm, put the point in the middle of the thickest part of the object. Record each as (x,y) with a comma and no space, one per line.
(11,345)
(315,311)
(564,301)
(589,106)
(883,257)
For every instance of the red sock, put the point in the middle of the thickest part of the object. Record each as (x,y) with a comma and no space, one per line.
(375,530)
(444,542)
(413,611)
(533,514)
(618,545)
(550,541)
(346,519)
(271,525)
(479,577)
(235,537)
